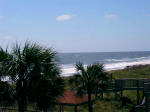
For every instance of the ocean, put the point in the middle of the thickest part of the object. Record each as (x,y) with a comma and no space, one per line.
(111,60)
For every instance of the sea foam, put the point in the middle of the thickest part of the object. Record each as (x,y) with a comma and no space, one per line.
(68,70)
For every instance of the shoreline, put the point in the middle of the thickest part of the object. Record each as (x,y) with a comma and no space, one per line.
(69,69)
(132,67)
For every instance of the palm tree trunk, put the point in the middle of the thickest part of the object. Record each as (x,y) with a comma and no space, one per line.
(22,105)
(90,101)
(21,94)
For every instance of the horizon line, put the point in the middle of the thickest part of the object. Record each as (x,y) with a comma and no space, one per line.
(104,51)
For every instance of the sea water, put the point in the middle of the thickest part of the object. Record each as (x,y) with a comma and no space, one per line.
(111,60)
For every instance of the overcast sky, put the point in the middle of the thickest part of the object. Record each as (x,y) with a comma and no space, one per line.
(77,25)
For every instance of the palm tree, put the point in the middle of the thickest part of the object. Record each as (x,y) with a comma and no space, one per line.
(27,67)
(89,79)
(6,90)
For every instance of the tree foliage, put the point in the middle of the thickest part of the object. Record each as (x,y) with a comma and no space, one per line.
(35,72)
(6,93)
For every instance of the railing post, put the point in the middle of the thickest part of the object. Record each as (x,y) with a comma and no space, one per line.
(115,89)
(111,77)
(121,88)
(138,95)
(143,88)
(75,109)
(60,108)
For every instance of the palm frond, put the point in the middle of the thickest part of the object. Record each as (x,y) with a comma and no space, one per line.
(90,79)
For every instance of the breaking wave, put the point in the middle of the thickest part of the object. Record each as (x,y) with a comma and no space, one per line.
(110,64)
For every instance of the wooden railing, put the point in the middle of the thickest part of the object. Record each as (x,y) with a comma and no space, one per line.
(146,100)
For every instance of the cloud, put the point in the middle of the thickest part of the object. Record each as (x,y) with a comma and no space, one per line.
(64,17)
(110,16)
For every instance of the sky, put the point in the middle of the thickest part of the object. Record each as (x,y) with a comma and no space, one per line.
(77,25)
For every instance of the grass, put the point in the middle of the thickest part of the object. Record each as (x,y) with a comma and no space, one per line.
(138,73)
